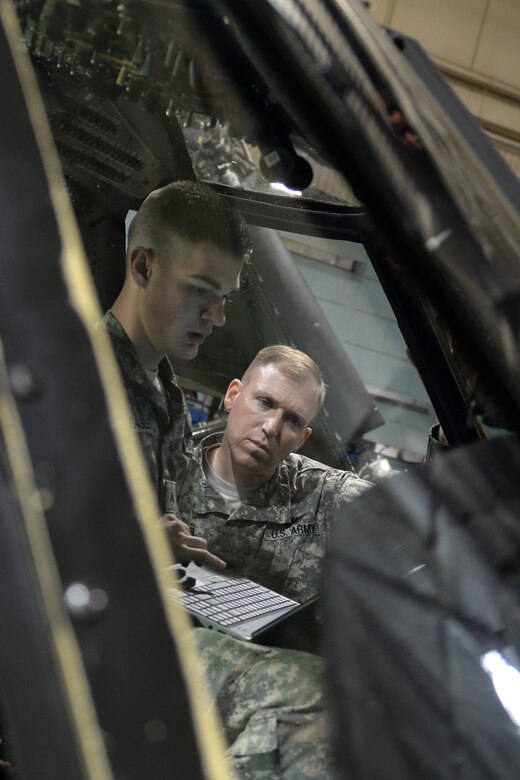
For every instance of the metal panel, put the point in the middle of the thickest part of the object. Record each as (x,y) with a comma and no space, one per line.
(104,548)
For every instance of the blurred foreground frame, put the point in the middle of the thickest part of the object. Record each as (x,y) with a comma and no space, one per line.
(98,674)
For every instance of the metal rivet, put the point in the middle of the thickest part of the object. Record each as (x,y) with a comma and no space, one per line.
(84,602)
(23,382)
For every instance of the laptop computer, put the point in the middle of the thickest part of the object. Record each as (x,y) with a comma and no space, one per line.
(233,605)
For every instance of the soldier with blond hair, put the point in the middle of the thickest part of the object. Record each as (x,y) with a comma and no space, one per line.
(262,508)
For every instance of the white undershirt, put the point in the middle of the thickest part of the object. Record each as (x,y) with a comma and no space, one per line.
(230,493)
(153,376)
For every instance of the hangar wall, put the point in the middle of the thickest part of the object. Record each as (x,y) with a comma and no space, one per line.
(354,303)
(476,45)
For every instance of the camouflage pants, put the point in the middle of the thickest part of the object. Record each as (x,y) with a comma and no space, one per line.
(270,703)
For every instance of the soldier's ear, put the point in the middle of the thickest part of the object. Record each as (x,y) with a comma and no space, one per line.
(233,390)
(140,265)
(307,432)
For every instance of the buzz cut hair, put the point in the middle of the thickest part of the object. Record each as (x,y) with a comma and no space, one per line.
(295,364)
(191,211)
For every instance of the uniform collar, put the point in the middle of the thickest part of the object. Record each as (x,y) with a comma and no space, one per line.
(274,497)
(130,364)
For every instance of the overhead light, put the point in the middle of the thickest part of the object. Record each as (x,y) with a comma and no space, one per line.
(506,681)
(277,185)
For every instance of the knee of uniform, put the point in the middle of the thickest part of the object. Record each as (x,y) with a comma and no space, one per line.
(224,659)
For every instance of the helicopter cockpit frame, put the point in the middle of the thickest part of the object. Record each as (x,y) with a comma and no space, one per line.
(288,110)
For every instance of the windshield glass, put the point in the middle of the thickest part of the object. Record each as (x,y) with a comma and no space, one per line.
(220,158)
(355,224)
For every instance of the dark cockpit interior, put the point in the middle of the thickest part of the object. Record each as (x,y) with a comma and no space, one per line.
(344,148)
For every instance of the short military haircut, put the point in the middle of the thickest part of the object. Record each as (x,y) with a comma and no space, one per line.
(295,364)
(193,212)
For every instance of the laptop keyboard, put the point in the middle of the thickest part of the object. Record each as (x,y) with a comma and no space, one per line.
(231,601)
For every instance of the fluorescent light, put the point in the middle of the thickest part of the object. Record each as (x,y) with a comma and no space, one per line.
(506,681)
(277,185)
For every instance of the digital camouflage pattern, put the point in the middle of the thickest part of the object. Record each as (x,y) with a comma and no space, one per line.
(269,700)
(162,422)
(271,706)
(277,537)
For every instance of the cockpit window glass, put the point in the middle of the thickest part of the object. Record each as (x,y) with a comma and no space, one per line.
(347,289)
(221,158)
(364,217)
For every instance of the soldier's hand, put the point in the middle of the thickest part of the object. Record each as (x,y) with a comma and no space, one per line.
(187,547)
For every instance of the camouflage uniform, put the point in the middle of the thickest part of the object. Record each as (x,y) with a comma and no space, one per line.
(271,706)
(269,700)
(162,422)
(278,537)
